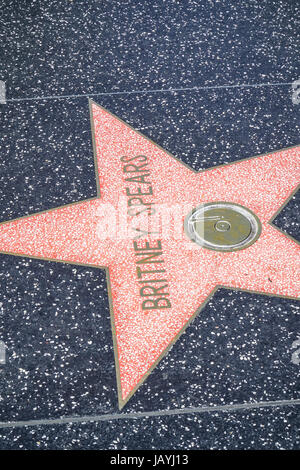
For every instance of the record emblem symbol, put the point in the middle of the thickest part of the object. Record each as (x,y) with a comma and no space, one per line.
(222,226)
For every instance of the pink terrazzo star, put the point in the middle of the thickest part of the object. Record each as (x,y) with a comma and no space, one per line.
(136,179)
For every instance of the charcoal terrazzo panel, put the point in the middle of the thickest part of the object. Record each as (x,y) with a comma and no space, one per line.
(209,364)
(239,349)
(266,428)
(56,326)
(288,219)
(206,128)
(46,156)
(74,47)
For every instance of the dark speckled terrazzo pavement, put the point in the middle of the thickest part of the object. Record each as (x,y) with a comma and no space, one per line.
(55,318)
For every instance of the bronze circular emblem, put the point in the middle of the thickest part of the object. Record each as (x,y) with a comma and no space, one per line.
(222,226)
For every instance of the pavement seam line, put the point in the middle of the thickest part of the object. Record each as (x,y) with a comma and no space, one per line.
(168,90)
(148,414)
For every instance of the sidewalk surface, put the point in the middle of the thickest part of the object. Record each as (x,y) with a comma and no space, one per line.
(210,82)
